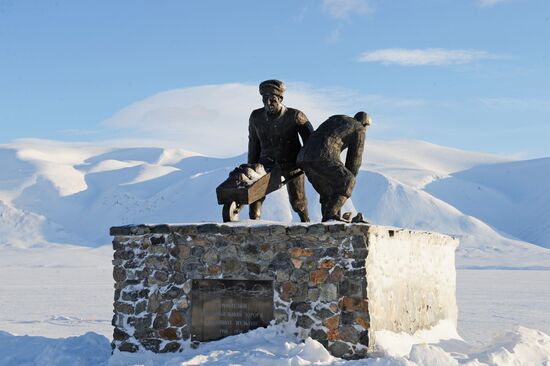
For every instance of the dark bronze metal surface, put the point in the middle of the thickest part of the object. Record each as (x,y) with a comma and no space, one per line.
(220,308)
(227,192)
(333,179)
(274,134)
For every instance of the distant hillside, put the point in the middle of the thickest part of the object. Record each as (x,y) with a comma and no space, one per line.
(72,193)
(512,197)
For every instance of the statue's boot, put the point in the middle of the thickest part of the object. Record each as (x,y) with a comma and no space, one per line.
(255,210)
(346,216)
(359,219)
(304,216)
(331,209)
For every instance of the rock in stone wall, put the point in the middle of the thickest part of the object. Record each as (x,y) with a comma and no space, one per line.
(320,273)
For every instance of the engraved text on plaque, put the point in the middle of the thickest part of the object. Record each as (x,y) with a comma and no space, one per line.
(221,308)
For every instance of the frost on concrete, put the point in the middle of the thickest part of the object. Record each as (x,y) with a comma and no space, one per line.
(411,279)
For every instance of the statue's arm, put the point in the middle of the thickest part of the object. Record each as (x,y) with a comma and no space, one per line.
(305,128)
(253,144)
(354,157)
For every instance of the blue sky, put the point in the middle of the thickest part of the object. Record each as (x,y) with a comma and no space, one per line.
(471,74)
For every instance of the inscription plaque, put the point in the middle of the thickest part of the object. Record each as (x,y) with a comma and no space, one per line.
(220,308)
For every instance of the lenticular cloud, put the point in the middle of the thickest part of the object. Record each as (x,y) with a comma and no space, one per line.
(210,119)
(420,57)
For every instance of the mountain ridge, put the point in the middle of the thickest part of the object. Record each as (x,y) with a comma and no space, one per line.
(72,193)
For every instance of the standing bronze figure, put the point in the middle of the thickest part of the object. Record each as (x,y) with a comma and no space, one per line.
(274,133)
(320,160)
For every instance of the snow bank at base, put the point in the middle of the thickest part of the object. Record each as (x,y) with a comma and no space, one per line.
(439,346)
(523,347)
(272,346)
(260,347)
(400,344)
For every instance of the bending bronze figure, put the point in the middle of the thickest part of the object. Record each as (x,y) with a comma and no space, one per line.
(320,160)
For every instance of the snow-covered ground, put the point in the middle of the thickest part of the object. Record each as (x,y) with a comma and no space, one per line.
(56,194)
(59,291)
(72,295)
(491,302)
(56,291)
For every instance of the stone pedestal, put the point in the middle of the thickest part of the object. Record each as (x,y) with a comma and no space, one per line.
(337,283)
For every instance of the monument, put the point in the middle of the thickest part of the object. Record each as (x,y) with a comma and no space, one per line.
(276,159)
(337,282)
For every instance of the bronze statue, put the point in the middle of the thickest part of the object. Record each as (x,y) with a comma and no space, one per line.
(320,160)
(274,133)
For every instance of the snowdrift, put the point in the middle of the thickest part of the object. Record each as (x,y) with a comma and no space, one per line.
(275,346)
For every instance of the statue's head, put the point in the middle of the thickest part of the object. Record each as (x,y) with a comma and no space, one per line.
(272,95)
(364,118)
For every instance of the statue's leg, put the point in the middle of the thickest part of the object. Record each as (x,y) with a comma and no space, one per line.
(325,212)
(297,197)
(315,173)
(332,208)
(340,187)
(255,209)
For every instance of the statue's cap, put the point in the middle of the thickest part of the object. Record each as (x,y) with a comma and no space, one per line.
(276,87)
(364,118)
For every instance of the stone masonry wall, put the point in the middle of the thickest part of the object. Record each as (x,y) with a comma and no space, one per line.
(320,274)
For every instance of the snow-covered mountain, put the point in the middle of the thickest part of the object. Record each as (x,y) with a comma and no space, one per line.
(52,192)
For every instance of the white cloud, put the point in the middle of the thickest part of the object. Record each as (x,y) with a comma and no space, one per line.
(489,3)
(213,119)
(210,119)
(342,9)
(517,103)
(427,56)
